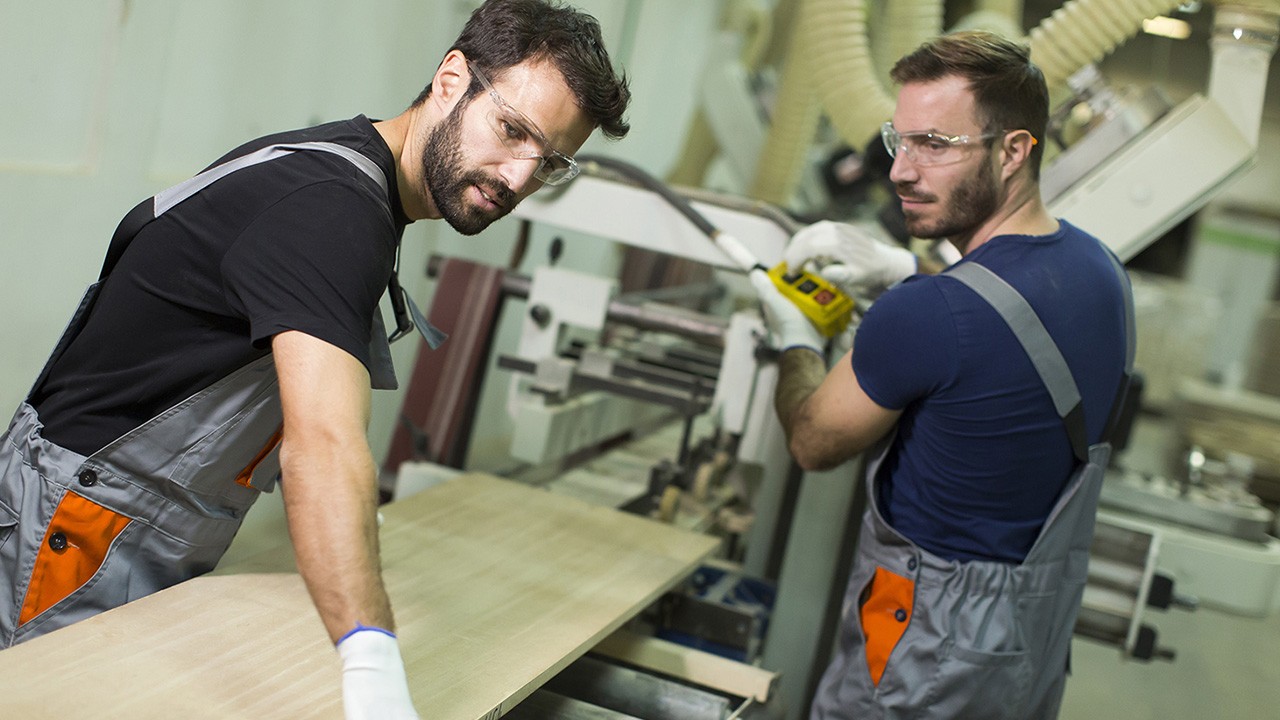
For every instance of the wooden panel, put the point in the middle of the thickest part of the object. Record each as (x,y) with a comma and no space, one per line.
(497,586)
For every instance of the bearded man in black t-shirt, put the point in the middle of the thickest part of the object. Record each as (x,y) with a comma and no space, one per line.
(237,318)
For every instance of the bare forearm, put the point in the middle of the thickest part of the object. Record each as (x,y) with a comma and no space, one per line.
(827,418)
(330,493)
(800,372)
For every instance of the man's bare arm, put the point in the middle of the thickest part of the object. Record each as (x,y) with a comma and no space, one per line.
(330,482)
(827,416)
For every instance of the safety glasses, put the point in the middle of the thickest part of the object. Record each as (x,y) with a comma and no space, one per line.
(932,148)
(521,137)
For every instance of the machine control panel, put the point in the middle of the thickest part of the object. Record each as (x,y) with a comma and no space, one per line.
(824,304)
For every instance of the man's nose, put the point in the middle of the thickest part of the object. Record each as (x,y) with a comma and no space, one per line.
(903,170)
(518,173)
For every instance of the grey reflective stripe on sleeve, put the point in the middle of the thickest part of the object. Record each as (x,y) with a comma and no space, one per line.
(367,166)
(167,199)
(1030,332)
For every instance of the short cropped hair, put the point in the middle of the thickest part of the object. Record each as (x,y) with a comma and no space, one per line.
(504,33)
(1008,89)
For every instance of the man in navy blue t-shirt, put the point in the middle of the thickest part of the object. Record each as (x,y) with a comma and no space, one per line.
(973,456)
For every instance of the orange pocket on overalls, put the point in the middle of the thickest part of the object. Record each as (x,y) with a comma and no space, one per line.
(245,478)
(75,544)
(884,616)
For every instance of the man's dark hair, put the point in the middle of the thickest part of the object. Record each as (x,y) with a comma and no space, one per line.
(1008,89)
(504,33)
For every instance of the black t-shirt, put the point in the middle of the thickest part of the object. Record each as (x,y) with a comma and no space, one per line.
(302,242)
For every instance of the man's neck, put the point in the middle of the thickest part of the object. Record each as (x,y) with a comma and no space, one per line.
(398,133)
(1022,213)
(393,132)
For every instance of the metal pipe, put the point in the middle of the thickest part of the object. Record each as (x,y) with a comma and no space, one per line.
(707,329)
(628,691)
(1118,575)
(692,291)
(546,705)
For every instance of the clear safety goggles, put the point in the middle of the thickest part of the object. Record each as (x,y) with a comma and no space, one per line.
(931,148)
(523,140)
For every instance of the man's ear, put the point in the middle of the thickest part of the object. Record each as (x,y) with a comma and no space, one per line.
(1015,152)
(451,80)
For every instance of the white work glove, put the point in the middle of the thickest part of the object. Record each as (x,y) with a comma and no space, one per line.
(374,686)
(852,259)
(788,326)
(947,253)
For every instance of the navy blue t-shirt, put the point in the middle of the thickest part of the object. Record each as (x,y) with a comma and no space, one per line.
(981,455)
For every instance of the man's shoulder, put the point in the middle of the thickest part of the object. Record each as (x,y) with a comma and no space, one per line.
(918,301)
(1069,229)
(310,177)
(917,291)
(356,133)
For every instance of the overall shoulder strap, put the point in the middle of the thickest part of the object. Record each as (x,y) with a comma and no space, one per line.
(1130,330)
(1039,346)
(1131,344)
(165,200)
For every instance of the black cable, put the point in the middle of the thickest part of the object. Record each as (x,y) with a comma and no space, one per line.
(638,175)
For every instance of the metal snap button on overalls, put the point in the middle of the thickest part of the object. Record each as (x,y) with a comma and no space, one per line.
(900,615)
(911,564)
(88,478)
(58,541)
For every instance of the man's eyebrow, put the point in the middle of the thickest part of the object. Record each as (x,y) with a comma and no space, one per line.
(523,120)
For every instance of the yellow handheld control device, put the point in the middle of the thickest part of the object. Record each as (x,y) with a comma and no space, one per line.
(824,304)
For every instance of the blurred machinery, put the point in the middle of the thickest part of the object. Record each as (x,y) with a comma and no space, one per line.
(629,401)
(1140,166)
(635,402)
(660,401)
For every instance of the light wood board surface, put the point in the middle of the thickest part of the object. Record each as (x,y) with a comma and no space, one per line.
(496,587)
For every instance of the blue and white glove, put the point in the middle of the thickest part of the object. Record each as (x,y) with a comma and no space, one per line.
(851,258)
(788,327)
(374,686)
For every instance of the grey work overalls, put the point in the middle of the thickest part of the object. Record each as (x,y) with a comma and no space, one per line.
(159,505)
(924,637)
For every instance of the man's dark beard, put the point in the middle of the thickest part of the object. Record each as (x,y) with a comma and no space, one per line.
(969,206)
(448,183)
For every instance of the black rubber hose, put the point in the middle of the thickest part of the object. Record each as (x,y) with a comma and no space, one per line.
(636,174)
